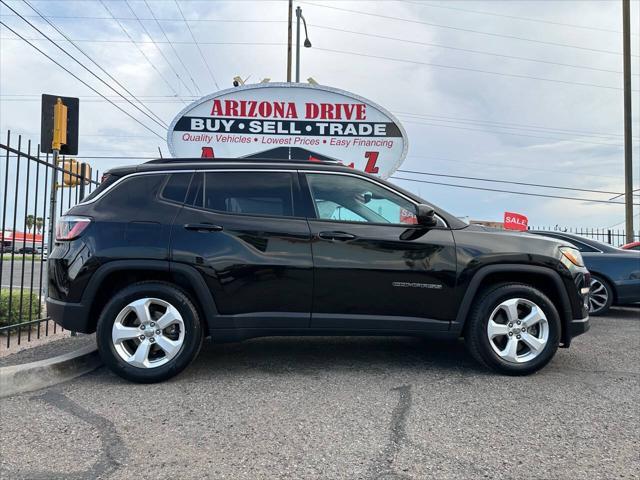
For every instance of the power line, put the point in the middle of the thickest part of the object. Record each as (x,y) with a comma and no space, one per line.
(514,17)
(467,50)
(191,20)
(467,69)
(512,133)
(173,48)
(107,135)
(159,123)
(157,47)
(624,221)
(124,30)
(94,100)
(155,118)
(206,64)
(143,42)
(621,194)
(82,81)
(468,30)
(169,99)
(591,200)
(479,179)
(486,164)
(472,121)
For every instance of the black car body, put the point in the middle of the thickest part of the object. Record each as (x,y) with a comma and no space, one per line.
(275,248)
(615,272)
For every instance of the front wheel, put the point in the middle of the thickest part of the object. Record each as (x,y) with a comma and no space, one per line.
(149,332)
(513,329)
(600,296)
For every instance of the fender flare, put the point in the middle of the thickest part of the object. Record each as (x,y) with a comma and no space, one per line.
(564,308)
(202,292)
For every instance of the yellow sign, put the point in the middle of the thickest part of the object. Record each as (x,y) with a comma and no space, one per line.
(59,125)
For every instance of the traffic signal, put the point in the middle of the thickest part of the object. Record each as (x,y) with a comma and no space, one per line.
(72,175)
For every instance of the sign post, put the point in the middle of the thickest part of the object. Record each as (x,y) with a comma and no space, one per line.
(59,139)
(58,134)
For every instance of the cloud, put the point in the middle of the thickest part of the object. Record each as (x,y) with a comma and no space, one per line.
(470,123)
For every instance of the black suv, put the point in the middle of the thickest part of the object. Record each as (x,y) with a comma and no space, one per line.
(168,252)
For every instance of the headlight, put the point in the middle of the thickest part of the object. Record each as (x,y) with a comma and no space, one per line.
(573,255)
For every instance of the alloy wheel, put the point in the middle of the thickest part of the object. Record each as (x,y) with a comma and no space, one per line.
(598,295)
(148,333)
(518,330)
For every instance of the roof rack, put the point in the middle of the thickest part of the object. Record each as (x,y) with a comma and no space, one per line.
(241,160)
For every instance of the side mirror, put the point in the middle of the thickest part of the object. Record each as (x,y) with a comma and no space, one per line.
(426,216)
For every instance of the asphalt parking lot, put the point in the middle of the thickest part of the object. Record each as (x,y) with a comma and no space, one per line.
(363,408)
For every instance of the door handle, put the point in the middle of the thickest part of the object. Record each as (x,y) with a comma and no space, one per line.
(203,227)
(339,236)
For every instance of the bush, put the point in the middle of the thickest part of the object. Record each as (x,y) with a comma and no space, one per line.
(30,303)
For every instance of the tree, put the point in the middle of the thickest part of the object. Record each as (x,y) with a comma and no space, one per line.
(39,224)
(30,222)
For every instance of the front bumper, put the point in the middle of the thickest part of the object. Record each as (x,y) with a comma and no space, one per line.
(71,316)
(578,326)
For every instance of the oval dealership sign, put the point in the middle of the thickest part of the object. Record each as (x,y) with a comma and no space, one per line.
(290,121)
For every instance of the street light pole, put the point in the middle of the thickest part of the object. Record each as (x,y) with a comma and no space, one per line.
(298,13)
(628,162)
(307,43)
(289,41)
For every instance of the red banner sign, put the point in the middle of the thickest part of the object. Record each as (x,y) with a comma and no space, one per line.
(515,221)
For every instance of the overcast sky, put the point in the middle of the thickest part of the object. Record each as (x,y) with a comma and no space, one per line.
(519,91)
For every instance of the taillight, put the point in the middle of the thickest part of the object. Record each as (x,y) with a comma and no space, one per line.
(70,227)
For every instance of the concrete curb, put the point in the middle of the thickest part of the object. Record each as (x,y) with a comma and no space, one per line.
(28,377)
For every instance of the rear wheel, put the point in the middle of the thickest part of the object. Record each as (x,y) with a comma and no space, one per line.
(513,328)
(600,296)
(149,332)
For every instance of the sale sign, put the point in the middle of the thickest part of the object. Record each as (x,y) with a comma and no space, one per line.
(515,221)
(290,121)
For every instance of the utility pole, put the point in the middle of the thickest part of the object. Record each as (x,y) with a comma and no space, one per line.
(628,162)
(290,40)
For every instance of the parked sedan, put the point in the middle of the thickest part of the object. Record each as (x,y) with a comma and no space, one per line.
(28,250)
(631,246)
(615,273)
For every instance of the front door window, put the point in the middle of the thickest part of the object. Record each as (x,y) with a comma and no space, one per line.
(352,199)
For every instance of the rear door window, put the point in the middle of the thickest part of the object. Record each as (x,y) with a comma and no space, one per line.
(244,193)
(175,190)
(107,180)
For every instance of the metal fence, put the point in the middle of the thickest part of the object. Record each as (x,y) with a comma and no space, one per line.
(605,235)
(26,179)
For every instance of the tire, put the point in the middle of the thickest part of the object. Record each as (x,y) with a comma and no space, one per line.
(600,296)
(142,354)
(501,345)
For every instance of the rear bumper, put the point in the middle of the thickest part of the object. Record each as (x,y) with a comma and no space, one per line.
(71,316)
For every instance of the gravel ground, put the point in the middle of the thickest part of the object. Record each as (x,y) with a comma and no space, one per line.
(362,408)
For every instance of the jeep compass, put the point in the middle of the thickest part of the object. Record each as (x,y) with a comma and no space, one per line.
(166,253)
